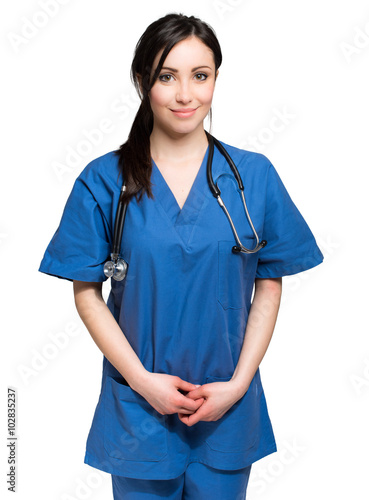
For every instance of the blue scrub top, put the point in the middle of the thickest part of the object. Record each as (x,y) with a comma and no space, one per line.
(183,306)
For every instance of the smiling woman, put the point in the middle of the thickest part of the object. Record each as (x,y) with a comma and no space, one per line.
(180,100)
(181,396)
(184,91)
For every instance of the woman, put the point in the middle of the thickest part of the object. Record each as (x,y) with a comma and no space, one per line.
(182,412)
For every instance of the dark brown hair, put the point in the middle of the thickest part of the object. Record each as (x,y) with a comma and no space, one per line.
(134,155)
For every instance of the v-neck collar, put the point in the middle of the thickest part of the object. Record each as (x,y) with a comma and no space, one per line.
(182,219)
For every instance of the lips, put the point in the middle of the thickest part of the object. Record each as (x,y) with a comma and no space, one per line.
(184,112)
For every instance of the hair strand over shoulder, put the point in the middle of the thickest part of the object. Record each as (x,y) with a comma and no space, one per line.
(162,35)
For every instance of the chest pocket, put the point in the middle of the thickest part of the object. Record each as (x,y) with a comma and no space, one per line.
(236,274)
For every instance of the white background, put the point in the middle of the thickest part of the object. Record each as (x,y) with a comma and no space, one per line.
(308,60)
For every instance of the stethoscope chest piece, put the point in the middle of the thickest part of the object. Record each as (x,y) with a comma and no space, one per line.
(116,269)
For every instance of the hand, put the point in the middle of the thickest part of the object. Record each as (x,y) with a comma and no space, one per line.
(218,398)
(162,391)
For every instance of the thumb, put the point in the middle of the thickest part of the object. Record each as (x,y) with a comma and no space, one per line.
(197,393)
(186,386)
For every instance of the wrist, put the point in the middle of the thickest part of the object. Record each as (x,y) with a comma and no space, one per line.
(139,380)
(238,387)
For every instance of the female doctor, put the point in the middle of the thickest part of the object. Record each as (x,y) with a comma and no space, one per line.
(182,412)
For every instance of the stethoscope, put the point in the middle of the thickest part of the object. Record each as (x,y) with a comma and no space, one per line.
(116,268)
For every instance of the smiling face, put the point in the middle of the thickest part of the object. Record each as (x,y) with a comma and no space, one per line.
(182,95)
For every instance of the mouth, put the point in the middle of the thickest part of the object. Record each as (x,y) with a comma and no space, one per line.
(184,112)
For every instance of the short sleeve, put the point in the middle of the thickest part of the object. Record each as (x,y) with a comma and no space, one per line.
(80,246)
(291,247)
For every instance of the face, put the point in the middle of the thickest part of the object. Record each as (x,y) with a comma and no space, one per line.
(181,96)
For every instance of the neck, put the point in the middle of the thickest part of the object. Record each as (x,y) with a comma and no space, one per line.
(178,147)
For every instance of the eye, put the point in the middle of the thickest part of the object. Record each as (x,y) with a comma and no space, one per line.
(165,78)
(200,77)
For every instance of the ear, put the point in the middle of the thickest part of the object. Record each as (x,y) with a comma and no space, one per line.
(216,74)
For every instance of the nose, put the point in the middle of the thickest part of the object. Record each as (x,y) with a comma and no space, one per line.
(184,93)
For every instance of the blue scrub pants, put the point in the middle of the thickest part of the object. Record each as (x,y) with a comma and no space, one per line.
(199,482)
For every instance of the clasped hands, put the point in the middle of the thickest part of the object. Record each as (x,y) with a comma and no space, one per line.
(213,400)
(169,394)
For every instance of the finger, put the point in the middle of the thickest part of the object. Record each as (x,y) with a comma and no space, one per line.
(183,418)
(198,403)
(188,420)
(186,386)
(185,403)
(183,411)
(200,392)
(196,417)
(193,419)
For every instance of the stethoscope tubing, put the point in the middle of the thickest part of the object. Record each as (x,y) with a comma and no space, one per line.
(217,194)
(119,223)
(213,187)
(117,267)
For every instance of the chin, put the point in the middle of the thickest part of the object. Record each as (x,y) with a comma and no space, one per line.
(186,128)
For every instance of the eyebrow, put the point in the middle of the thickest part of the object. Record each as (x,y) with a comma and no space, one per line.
(176,70)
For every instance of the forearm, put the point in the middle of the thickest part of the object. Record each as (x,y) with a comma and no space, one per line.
(160,390)
(106,332)
(259,331)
